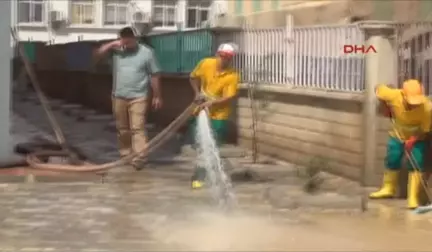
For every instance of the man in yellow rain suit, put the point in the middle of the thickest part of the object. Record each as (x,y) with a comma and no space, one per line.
(411,115)
(215,81)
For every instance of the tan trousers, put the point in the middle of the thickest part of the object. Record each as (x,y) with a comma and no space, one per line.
(130,117)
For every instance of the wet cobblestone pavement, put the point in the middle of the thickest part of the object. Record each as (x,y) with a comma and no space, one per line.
(154,209)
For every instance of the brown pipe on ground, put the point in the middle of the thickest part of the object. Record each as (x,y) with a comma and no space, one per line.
(34,160)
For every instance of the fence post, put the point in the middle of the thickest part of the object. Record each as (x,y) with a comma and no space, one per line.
(179,45)
(380,67)
(5,75)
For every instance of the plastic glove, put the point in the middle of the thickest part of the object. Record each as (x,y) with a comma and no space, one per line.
(385,109)
(409,144)
(387,112)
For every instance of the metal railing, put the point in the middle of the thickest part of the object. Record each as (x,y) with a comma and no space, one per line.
(309,57)
(306,57)
(320,61)
(265,56)
(414,45)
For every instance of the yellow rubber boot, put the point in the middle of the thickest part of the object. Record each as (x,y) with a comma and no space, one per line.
(414,189)
(388,189)
(196,184)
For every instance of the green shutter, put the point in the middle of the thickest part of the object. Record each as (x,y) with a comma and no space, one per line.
(256,5)
(195,46)
(239,7)
(30,51)
(383,10)
(166,51)
(179,52)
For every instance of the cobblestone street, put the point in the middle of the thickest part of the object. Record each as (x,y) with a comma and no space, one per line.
(155,209)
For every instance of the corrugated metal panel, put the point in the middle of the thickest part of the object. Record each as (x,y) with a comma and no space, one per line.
(79,56)
(51,57)
(179,52)
(30,51)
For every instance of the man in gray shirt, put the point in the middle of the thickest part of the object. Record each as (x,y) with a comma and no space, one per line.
(134,69)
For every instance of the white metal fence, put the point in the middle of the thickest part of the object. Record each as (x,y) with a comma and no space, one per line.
(310,57)
(320,61)
(414,43)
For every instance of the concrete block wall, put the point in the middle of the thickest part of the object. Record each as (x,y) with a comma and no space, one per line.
(384,125)
(344,129)
(300,126)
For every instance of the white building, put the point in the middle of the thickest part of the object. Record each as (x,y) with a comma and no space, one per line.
(62,21)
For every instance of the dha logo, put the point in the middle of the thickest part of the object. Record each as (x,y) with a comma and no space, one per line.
(350,49)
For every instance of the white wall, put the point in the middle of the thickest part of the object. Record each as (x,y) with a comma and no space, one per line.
(5,79)
(73,35)
(70,34)
(98,32)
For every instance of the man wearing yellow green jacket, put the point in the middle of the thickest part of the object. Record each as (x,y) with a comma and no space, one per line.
(411,117)
(215,81)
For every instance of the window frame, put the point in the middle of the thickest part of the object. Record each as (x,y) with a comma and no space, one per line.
(31,12)
(166,7)
(82,4)
(116,5)
(202,6)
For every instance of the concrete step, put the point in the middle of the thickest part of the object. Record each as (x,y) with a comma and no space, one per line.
(82,114)
(33,99)
(55,103)
(111,126)
(69,106)
(100,117)
(226,151)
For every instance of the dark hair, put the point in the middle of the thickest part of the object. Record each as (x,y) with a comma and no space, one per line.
(145,40)
(126,32)
(355,19)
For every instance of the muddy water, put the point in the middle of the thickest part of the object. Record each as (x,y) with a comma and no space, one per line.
(384,229)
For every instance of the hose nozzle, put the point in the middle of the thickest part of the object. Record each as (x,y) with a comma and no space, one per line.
(200,99)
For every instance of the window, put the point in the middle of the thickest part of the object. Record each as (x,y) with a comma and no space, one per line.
(197,12)
(83,12)
(164,13)
(275,4)
(238,7)
(257,5)
(31,11)
(115,12)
